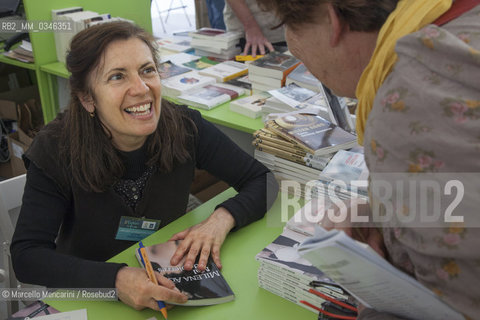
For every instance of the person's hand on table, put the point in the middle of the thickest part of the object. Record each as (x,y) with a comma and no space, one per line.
(256,40)
(135,289)
(203,239)
(364,232)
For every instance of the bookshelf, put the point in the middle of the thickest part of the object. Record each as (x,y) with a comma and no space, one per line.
(46,66)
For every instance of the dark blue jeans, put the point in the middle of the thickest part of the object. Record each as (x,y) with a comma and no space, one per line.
(215,13)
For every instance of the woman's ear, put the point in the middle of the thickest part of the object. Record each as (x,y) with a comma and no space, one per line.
(336,25)
(87,101)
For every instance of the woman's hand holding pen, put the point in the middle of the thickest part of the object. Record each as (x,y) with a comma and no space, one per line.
(205,239)
(135,289)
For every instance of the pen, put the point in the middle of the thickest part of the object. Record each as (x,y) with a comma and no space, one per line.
(151,275)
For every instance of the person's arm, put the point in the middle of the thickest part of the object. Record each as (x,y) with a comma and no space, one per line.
(36,261)
(253,33)
(256,186)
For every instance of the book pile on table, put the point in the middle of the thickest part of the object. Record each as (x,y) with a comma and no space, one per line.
(216,43)
(270,71)
(312,133)
(284,273)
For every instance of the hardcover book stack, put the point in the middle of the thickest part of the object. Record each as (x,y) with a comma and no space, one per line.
(284,273)
(270,71)
(215,43)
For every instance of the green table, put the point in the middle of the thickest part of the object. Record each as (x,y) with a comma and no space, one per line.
(239,268)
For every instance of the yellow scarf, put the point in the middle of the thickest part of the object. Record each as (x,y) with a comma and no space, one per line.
(408,17)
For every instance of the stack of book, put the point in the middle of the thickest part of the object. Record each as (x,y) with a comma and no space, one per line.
(284,273)
(215,43)
(312,133)
(267,141)
(270,71)
(210,96)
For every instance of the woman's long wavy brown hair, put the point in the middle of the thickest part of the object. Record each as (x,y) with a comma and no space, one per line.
(86,144)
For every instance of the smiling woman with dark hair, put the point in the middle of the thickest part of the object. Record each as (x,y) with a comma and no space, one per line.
(414,66)
(121,155)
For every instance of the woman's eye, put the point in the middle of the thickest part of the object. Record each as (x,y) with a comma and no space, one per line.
(149,70)
(116,76)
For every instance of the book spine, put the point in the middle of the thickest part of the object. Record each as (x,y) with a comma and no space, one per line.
(279,153)
(294,280)
(271,125)
(283,295)
(235,75)
(292,150)
(262,134)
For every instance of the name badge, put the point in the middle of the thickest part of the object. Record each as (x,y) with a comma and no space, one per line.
(136,229)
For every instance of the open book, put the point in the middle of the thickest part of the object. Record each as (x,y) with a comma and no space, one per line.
(371,279)
(202,287)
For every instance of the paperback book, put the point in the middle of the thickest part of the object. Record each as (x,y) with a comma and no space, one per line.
(242,82)
(313,133)
(292,94)
(168,69)
(274,65)
(250,106)
(225,71)
(200,64)
(210,96)
(175,86)
(202,287)
(304,78)
(371,279)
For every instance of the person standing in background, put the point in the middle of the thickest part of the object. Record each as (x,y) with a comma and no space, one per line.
(246,16)
(215,13)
